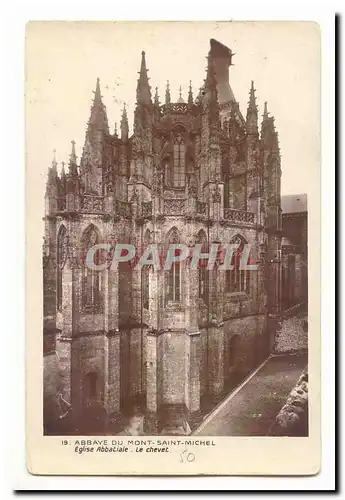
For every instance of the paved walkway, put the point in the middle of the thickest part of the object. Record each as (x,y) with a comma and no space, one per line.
(252,410)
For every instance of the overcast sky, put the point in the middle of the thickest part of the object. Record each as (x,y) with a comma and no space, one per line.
(64,60)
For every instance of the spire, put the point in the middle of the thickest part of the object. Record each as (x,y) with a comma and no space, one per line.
(54,163)
(180,99)
(52,172)
(156,101)
(264,123)
(124,124)
(269,135)
(73,157)
(200,94)
(73,170)
(167,95)
(63,179)
(190,93)
(143,87)
(252,112)
(252,99)
(274,134)
(97,98)
(98,115)
(63,173)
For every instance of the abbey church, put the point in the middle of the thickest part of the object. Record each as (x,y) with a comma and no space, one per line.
(169,342)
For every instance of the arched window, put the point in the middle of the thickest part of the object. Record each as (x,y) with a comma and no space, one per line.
(61,259)
(202,267)
(91,277)
(173,275)
(236,279)
(179,160)
(145,276)
(167,171)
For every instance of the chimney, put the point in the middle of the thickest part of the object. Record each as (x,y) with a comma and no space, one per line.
(221,57)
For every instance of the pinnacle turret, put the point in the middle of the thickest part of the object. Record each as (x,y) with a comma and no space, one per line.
(180,98)
(98,114)
(54,162)
(156,99)
(252,112)
(63,173)
(52,172)
(73,169)
(62,183)
(252,99)
(98,97)
(143,87)
(124,124)
(167,95)
(264,122)
(190,94)
(269,135)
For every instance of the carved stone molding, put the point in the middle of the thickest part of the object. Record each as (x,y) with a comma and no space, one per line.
(174,206)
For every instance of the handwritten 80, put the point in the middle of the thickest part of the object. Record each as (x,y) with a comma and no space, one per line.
(187,456)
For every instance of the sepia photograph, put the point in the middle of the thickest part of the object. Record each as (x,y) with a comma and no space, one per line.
(177,164)
(153,349)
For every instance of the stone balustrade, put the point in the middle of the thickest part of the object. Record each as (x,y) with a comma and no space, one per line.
(239,216)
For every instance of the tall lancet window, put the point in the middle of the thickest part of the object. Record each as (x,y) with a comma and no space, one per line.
(236,279)
(179,161)
(61,259)
(173,275)
(91,277)
(202,267)
(167,171)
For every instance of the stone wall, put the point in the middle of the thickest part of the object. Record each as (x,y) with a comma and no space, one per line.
(251,347)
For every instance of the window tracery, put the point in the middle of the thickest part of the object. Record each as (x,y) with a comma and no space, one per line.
(173,275)
(236,279)
(179,154)
(91,278)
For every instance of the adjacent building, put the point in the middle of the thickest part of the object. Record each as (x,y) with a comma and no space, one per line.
(193,171)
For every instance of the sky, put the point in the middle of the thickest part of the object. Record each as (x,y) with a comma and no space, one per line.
(64,59)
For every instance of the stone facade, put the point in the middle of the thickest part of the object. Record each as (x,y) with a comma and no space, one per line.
(191,172)
(294,250)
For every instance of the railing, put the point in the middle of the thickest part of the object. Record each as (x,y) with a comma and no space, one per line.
(177,107)
(200,207)
(91,203)
(146,208)
(123,208)
(238,216)
(174,206)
